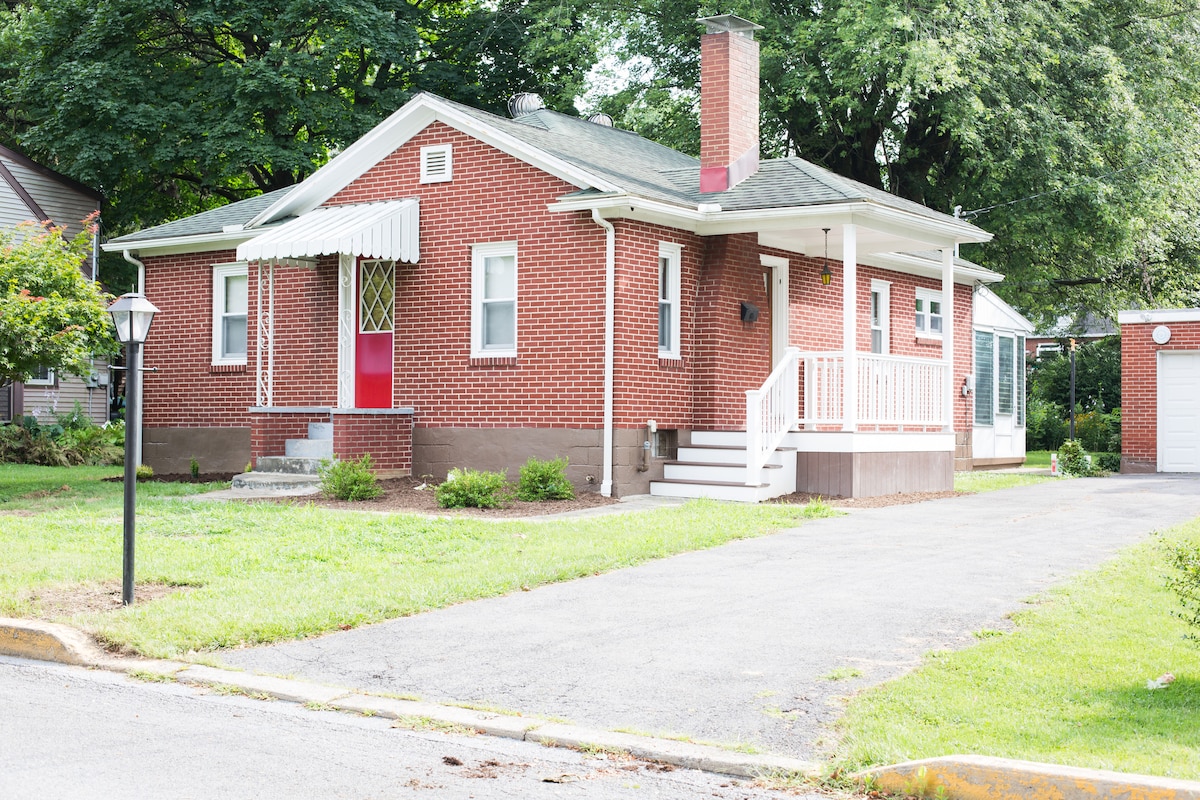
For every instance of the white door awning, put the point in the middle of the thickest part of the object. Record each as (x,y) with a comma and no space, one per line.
(372,230)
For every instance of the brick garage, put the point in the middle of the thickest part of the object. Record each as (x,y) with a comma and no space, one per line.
(1160,390)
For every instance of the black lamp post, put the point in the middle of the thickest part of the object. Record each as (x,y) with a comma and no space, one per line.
(131,315)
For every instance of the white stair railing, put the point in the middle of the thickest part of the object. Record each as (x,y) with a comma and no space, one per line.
(771,412)
(892,390)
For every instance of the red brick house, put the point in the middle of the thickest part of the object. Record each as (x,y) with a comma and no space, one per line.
(1160,390)
(459,289)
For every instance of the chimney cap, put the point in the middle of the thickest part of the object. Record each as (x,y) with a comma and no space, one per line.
(729,23)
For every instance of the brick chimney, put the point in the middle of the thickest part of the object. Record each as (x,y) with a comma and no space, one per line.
(728,102)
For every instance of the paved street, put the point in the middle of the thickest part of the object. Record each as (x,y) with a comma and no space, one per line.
(69,733)
(737,644)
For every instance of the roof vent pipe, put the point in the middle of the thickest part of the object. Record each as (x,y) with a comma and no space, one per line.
(601,119)
(524,103)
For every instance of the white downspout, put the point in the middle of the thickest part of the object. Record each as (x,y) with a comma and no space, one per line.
(610,280)
(140,289)
(141,279)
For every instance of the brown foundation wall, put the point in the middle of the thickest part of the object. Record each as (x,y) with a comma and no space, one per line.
(874,474)
(171,450)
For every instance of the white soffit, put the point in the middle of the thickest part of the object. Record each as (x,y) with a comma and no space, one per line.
(372,230)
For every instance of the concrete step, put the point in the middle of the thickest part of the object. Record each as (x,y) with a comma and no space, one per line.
(308,448)
(287,465)
(320,430)
(711,471)
(716,490)
(727,454)
(277,483)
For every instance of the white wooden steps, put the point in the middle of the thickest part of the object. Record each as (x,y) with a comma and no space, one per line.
(714,466)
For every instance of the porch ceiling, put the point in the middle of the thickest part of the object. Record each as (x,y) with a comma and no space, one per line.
(811,241)
(372,230)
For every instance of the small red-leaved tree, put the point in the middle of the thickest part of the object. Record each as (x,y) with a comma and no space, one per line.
(51,315)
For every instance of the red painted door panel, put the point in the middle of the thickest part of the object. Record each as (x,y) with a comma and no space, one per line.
(374,344)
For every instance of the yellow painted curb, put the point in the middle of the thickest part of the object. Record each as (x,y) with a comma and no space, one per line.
(986,778)
(47,641)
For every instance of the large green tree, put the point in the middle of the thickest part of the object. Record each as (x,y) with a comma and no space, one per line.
(51,316)
(1066,127)
(171,106)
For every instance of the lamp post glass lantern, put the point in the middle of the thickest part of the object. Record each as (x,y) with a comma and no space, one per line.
(131,314)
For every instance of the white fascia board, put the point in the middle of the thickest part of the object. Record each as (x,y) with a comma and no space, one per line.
(1012,319)
(196,243)
(412,118)
(1157,316)
(618,205)
(915,265)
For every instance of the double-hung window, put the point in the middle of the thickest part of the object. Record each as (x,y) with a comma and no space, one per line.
(928,316)
(44,376)
(230,295)
(494,300)
(669,327)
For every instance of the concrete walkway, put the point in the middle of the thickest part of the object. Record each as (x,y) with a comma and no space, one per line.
(733,644)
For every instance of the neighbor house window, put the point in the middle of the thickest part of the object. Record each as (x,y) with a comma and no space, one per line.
(928,316)
(437,163)
(230,295)
(669,258)
(494,307)
(44,376)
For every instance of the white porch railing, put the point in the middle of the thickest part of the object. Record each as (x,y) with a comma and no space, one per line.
(892,390)
(771,412)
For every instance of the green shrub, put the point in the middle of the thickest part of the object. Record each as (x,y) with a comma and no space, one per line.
(1184,558)
(1098,431)
(544,480)
(71,439)
(468,488)
(1109,462)
(349,480)
(1046,425)
(1073,460)
(194,466)
(144,472)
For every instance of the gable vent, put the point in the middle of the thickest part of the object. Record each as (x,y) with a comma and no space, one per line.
(436,163)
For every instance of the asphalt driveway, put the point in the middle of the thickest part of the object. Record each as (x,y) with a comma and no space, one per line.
(735,644)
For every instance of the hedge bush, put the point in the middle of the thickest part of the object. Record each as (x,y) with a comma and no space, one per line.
(544,480)
(349,480)
(468,488)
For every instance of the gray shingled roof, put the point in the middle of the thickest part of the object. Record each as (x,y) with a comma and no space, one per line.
(638,166)
(213,221)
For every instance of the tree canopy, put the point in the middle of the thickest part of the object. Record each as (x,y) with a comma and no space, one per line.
(172,106)
(1065,127)
(51,315)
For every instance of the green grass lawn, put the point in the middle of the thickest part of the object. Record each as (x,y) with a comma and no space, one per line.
(265,572)
(986,481)
(1037,458)
(1068,686)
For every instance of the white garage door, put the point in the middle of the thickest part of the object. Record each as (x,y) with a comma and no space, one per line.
(1178,412)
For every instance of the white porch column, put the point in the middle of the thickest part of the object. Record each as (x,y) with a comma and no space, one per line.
(849,327)
(948,335)
(347,306)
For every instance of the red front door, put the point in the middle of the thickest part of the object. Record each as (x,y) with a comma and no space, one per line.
(374,344)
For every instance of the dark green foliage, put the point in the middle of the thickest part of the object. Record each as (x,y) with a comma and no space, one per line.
(70,440)
(1046,425)
(1108,462)
(1097,376)
(1073,460)
(544,480)
(468,488)
(350,480)
(1099,432)
(1184,558)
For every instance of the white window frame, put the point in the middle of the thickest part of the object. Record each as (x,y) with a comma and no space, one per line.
(480,253)
(884,290)
(444,175)
(929,296)
(673,254)
(46,381)
(220,273)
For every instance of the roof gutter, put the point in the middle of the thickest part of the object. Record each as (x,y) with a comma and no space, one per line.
(610,280)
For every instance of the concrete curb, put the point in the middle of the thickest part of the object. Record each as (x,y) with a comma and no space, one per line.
(50,642)
(965,777)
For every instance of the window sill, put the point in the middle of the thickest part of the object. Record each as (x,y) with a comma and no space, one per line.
(670,362)
(930,338)
(214,369)
(493,361)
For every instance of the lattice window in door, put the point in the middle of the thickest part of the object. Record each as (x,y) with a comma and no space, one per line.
(377,297)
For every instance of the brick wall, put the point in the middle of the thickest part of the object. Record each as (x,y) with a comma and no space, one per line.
(269,430)
(387,437)
(1139,389)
